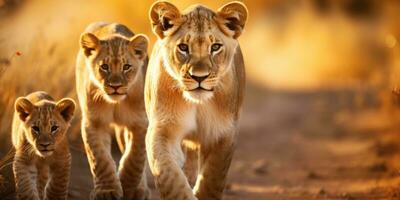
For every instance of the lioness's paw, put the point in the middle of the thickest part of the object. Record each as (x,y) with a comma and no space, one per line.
(101,194)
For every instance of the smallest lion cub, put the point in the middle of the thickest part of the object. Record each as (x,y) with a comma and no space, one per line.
(41,146)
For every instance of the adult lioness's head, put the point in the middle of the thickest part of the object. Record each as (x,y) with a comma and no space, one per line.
(198,45)
(45,122)
(114,62)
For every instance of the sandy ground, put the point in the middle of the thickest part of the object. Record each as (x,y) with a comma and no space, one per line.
(298,146)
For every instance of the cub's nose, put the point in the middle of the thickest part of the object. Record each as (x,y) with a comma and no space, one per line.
(45,144)
(199,79)
(115,86)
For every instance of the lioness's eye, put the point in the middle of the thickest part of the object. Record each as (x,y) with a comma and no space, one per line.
(126,67)
(104,67)
(54,129)
(183,47)
(35,129)
(215,47)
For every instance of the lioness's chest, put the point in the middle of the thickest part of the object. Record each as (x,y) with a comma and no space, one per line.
(206,124)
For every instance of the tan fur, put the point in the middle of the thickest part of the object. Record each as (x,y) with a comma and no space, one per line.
(193,96)
(106,109)
(39,137)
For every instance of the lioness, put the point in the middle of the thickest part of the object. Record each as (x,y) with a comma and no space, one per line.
(39,136)
(193,93)
(110,74)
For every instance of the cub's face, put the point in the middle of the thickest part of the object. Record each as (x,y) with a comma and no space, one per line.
(114,63)
(45,123)
(198,47)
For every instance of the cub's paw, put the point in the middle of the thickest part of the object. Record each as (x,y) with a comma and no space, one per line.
(147,194)
(105,194)
(138,194)
(142,193)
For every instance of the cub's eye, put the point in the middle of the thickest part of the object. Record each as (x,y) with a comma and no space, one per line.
(104,67)
(127,67)
(54,129)
(35,129)
(183,47)
(138,52)
(215,47)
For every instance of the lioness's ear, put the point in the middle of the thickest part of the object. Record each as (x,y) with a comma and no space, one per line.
(164,18)
(89,43)
(233,18)
(66,107)
(139,43)
(23,107)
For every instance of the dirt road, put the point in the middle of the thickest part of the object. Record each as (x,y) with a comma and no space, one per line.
(300,146)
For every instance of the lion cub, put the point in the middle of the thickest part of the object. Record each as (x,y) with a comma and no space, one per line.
(110,74)
(39,137)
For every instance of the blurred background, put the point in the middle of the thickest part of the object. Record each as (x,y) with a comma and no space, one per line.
(321,115)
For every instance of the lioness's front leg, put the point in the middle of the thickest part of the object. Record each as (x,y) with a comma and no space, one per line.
(57,187)
(98,150)
(25,178)
(169,177)
(132,164)
(191,165)
(215,162)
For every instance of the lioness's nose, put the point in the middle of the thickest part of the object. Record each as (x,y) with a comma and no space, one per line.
(199,79)
(199,73)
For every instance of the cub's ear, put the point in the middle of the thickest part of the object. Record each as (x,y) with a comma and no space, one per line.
(23,107)
(139,43)
(233,17)
(165,18)
(66,107)
(89,43)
